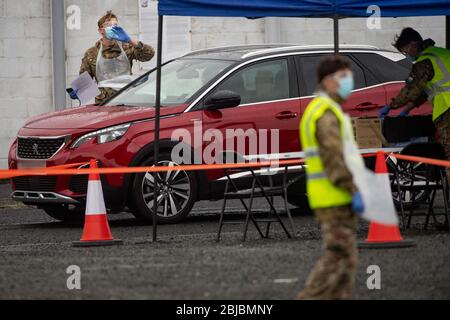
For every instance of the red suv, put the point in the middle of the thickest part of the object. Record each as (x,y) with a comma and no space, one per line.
(261,87)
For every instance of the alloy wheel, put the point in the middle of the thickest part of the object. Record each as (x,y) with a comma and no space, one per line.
(174,190)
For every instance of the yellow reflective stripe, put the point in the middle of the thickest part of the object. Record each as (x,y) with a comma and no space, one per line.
(435,90)
(434,87)
(441,65)
(312,152)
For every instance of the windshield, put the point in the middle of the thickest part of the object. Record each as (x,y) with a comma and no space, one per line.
(180,80)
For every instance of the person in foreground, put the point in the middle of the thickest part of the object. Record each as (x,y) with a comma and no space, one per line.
(331,190)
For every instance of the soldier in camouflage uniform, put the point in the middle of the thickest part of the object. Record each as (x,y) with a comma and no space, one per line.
(334,274)
(113,49)
(415,92)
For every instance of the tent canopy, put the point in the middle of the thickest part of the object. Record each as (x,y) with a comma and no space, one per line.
(302,8)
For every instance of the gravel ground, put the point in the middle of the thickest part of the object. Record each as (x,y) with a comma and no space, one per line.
(187,263)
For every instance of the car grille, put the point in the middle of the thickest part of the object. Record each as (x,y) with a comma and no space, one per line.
(35,148)
(44,183)
(79,183)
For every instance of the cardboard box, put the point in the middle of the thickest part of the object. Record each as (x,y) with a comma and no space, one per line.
(368,133)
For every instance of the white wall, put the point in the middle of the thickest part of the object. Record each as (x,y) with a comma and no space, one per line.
(355,31)
(213,32)
(25,66)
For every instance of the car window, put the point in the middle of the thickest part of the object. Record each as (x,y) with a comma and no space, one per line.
(180,80)
(383,68)
(264,81)
(309,64)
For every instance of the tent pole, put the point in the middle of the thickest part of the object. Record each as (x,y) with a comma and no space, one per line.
(157,114)
(336,33)
(447,32)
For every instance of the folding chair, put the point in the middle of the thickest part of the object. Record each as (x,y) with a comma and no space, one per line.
(257,190)
(418,183)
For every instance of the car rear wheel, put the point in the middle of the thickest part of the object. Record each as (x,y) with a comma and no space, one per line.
(296,196)
(177,192)
(65,212)
(407,178)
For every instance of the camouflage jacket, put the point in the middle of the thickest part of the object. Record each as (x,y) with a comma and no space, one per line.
(142,52)
(414,90)
(331,151)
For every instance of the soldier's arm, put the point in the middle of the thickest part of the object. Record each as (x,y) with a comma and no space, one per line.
(414,90)
(87,63)
(331,151)
(139,51)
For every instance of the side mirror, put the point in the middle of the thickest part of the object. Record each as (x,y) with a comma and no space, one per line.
(222,99)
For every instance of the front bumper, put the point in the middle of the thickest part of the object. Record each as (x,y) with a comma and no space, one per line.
(67,189)
(40,197)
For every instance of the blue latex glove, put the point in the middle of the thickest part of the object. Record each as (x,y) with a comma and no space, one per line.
(357,203)
(117,33)
(73,94)
(384,111)
(404,113)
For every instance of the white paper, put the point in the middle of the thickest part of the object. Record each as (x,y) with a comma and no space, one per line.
(375,188)
(86,88)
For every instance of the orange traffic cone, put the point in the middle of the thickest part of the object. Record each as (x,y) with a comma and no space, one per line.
(96,230)
(381,235)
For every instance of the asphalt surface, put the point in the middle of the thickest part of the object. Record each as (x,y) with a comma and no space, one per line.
(187,262)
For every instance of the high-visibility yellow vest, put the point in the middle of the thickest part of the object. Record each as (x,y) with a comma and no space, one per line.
(321,191)
(438,88)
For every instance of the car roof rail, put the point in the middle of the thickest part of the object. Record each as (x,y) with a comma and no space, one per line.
(307,47)
(231,48)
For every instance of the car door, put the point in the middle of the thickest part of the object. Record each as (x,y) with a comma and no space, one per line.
(391,70)
(366,99)
(267,119)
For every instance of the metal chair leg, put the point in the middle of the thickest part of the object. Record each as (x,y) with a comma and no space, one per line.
(400,197)
(288,212)
(445,194)
(269,223)
(249,211)
(411,209)
(221,219)
(430,211)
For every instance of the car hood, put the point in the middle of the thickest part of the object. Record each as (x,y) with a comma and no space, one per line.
(95,117)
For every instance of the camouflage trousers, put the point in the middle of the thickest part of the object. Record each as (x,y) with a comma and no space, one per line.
(333,276)
(443,128)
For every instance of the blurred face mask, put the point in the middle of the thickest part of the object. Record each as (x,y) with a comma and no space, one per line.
(346,84)
(109,33)
(108,29)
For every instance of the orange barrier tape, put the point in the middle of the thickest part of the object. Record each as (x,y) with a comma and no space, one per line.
(435,162)
(368,155)
(7,173)
(66,168)
(65,171)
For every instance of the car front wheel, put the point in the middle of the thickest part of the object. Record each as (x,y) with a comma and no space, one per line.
(176,197)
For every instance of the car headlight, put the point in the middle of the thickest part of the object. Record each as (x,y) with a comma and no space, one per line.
(103,135)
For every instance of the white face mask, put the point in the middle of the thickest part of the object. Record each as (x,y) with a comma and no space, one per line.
(346,85)
(109,34)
